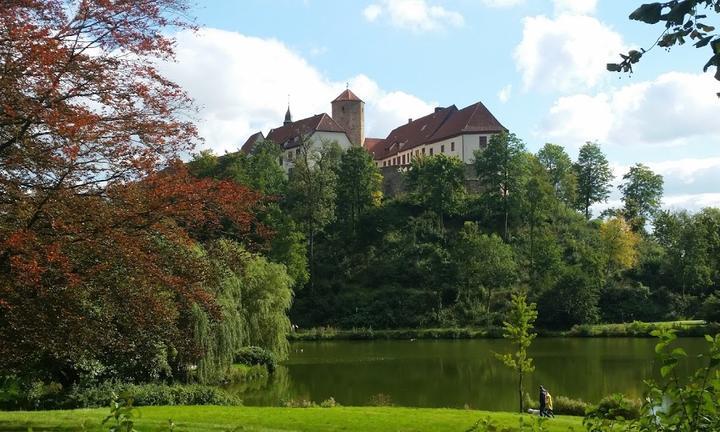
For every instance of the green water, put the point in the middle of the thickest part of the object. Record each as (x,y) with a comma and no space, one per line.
(459,373)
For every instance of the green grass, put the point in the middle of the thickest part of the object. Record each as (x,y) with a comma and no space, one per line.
(642,329)
(216,418)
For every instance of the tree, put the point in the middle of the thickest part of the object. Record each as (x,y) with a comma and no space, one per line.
(642,192)
(559,167)
(264,172)
(358,187)
(100,226)
(682,19)
(501,168)
(538,206)
(486,264)
(619,245)
(594,177)
(437,183)
(312,190)
(518,331)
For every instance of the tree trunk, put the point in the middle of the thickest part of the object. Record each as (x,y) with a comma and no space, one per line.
(520,392)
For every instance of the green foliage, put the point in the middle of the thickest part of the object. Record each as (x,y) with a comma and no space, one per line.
(437,183)
(255,355)
(502,170)
(559,167)
(573,300)
(253,295)
(485,264)
(617,406)
(593,176)
(642,192)
(518,331)
(682,20)
(146,395)
(673,404)
(358,187)
(121,414)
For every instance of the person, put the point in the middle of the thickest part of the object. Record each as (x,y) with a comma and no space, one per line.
(543,393)
(548,405)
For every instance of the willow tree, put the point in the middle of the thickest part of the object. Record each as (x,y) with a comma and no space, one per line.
(253,296)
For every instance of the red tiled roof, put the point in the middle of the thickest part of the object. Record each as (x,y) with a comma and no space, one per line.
(288,136)
(442,124)
(247,148)
(373,145)
(472,119)
(347,95)
(414,133)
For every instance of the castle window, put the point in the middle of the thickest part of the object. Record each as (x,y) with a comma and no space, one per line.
(431,151)
(290,156)
(452,146)
(423,150)
(483,141)
(442,148)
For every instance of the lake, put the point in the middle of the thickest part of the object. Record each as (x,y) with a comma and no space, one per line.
(460,373)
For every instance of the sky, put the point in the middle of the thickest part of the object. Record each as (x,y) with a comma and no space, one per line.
(538,65)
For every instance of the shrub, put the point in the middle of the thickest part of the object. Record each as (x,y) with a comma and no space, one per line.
(329,403)
(299,403)
(240,373)
(254,355)
(148,394)
(618,406)
(561,405)
(381,400)
(568,406)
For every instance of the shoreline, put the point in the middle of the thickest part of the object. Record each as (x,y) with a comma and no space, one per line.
(695,328)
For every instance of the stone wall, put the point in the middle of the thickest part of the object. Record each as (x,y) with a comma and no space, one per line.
(394,183)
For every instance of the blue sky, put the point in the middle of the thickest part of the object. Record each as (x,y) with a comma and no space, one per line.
(538,65)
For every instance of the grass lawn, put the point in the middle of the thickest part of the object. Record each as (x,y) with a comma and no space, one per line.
(217,418)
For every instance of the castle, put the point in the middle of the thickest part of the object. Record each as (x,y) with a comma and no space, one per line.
(449,130)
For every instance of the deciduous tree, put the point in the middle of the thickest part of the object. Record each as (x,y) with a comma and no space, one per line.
(501,169)
(594,177)
(642,192)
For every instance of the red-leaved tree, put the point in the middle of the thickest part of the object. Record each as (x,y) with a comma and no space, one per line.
(98,223)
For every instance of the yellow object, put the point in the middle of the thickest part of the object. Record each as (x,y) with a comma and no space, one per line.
(548,401)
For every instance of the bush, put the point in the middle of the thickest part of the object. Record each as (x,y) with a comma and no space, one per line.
(299,403)
(329,403)
(618,406)
(254,355)
(240,373)
(561,405)
(148,394)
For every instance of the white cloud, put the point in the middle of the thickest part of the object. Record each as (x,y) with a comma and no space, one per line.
(372,12)
(505,93)
(575,7)
(242,83)
(671,110)
(567,53)
(414,15)
(692,202)
(502,3)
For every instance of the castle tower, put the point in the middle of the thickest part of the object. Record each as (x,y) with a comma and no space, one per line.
(348,111)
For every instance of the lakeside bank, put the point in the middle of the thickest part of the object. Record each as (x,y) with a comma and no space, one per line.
(687,328)
(218,418)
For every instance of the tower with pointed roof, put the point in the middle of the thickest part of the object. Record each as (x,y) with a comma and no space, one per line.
(348,111)
(288,116)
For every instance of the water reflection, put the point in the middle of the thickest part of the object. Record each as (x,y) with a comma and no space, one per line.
(457,373)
